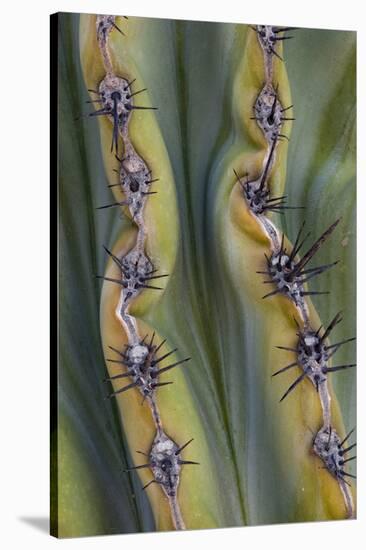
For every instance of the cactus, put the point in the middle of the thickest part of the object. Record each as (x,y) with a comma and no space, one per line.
(199,158)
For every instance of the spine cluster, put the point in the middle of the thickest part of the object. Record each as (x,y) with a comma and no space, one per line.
(288,273)
(142,362)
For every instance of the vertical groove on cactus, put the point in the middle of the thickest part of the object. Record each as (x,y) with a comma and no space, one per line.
(286,272)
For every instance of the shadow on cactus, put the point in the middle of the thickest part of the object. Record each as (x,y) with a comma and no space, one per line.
(207,242)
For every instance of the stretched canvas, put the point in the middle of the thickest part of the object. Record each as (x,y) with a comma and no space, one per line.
(204,375)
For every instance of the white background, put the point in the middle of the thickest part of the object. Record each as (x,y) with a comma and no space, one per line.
(24,303)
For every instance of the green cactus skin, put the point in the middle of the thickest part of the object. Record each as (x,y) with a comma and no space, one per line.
(206,146)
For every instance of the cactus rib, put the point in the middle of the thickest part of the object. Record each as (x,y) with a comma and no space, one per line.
(284,269)
(137,271)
